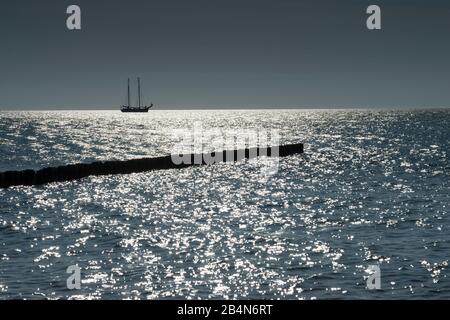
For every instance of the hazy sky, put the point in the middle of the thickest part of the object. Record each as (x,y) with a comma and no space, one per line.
(225,53)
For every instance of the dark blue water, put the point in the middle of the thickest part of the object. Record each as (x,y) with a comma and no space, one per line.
(371,189)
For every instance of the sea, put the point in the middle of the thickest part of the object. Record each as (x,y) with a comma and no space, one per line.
(363,213)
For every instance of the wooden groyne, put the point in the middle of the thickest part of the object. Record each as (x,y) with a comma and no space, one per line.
(82,170)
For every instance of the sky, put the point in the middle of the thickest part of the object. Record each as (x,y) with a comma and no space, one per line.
(225,54)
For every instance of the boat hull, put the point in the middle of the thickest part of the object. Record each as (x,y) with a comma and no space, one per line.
(143,110)
(135,109)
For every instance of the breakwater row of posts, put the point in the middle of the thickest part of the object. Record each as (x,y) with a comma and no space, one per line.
(82,170)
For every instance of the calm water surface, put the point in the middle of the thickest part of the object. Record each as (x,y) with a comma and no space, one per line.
(371,189)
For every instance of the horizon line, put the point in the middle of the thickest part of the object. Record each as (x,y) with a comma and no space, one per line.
(174,108)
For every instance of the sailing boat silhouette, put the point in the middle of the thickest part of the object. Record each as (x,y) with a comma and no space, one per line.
(139,108)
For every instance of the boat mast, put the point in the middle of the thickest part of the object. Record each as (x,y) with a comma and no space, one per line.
(128,92)
(139,92)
